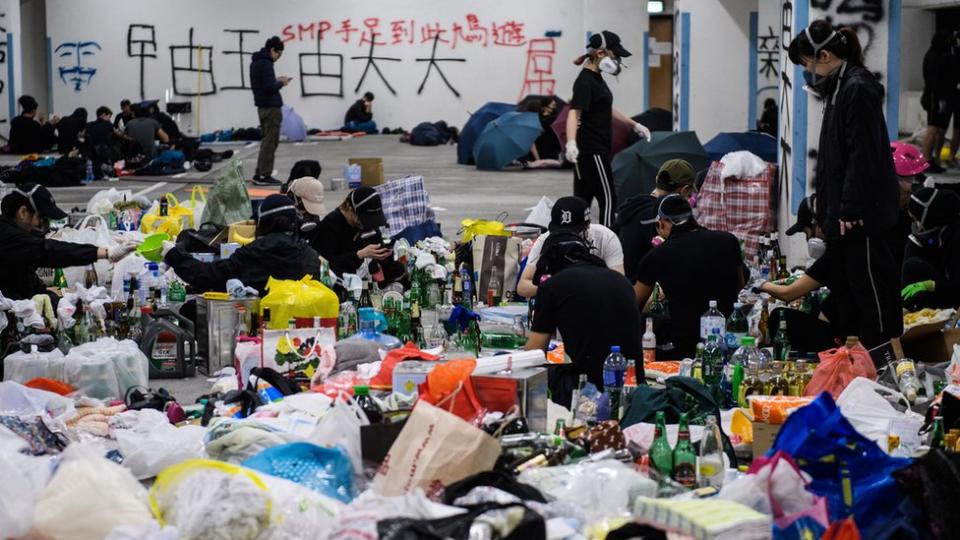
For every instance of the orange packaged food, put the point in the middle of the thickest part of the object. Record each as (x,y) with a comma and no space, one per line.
(775,409)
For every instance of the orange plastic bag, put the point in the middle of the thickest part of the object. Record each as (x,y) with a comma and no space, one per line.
(774,409)
(838,367)
(50,385)
(384,379)
(449,387)
(842,530)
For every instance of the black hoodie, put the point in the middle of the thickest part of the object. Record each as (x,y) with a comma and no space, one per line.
(637,223)
(263,81)
(276,255)
(855,177)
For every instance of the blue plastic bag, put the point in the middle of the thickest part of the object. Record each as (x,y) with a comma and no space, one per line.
(851,471)
(324,470)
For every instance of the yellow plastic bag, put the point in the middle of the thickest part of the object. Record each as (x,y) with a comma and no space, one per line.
(201,496)
(304,298)
(178,217)
(474,227)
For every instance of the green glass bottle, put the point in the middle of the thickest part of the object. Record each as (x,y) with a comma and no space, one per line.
(59,280)
(661,455)
(781,343)
(936,436)
(684,457)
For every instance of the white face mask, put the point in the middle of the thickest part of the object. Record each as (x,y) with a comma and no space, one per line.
(609,65)
(816,247)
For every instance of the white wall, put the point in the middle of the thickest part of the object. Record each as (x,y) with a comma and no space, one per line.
(33,24)
(492,72)
(628,19)
(917,29)
(10,65)
(719,67)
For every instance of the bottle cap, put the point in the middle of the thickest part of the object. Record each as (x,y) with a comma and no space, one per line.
(713,303)
(615,348)
(748,341)
(361,390)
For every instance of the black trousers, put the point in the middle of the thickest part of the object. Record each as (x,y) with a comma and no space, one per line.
(593,178)
(871,298)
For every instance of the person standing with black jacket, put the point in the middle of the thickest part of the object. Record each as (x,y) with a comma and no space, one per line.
(266,96)
(856,184)
(590,124)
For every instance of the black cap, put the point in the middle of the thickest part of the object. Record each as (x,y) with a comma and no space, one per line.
(569,214)
(805,216)
(39,199)
(932,208)
(674,208)
(369,208)
(610,41)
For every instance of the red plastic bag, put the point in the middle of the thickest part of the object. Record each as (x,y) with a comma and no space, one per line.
(449,387)
(384,379)
(838,367)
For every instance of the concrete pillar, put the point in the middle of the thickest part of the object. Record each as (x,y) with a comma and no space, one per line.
(878,25)
(11,62)
(713,61)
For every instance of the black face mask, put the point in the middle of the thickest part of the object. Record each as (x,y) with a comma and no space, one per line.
(821,87)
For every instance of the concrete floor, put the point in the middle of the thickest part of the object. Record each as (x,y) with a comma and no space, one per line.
(456,191)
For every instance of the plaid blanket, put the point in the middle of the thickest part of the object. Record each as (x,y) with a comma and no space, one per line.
(741,206)
(405,203)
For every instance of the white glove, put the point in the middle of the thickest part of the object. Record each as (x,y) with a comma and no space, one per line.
(572,152)
(117,252)
(167,246)
(642,131)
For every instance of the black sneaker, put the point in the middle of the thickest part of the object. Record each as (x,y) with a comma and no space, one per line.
(935,168)
(266,181)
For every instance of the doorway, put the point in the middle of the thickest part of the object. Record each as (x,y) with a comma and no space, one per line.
(660,73)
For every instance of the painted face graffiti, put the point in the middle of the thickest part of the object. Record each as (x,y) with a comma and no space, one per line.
(74,54)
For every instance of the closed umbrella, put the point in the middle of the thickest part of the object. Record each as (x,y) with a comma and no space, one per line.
(506,139)
(619,139)
(635,169)
(760,144)
(474,126)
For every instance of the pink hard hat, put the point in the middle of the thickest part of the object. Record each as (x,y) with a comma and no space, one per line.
(907,159)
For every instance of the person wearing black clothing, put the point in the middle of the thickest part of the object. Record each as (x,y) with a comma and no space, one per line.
(855,180)
(770,119)
(590,124)
(939,86)
(276,252)
(27,134)
(351,233)
(266,96)
(931,266)
(125,115)
(23,219)
(637,217)
(100,131)
(693,266)
(359,116)
(593,308)
(70,130)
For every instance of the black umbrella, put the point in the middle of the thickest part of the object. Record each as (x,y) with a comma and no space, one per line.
(635,169)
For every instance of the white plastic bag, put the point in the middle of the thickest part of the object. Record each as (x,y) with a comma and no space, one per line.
(741,164)
(21,367)
(106,368)
(23,478)
(864,405)
(18,400)
(146,453)
(102,201)
(540,214)
(88,497)
(131,264)
(359,518)
(340,426)
(92,230)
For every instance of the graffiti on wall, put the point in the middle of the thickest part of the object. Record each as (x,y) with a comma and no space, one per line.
(74,67)
(864,16)
(785,165)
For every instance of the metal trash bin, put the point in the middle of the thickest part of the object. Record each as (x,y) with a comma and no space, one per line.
(216,323)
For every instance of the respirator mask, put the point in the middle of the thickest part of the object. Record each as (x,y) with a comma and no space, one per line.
(816,247)
(607,64)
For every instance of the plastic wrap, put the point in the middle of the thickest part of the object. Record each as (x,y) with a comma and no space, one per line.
(21,367)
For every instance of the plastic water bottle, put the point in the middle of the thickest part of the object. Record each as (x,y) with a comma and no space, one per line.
(748,355)
(712,319)
(737,326)
(710,468)
(88,173)
(614,368)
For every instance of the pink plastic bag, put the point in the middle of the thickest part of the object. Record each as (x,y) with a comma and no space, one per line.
(838,367)
(786,480)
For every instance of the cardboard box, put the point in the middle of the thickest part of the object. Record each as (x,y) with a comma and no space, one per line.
(764,436)
(371,170)
(927,343)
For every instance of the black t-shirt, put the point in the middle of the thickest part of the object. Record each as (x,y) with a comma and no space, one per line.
(99,132)
(840,308)
(594,308)
(694,267)
(27,136)
(595,102)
